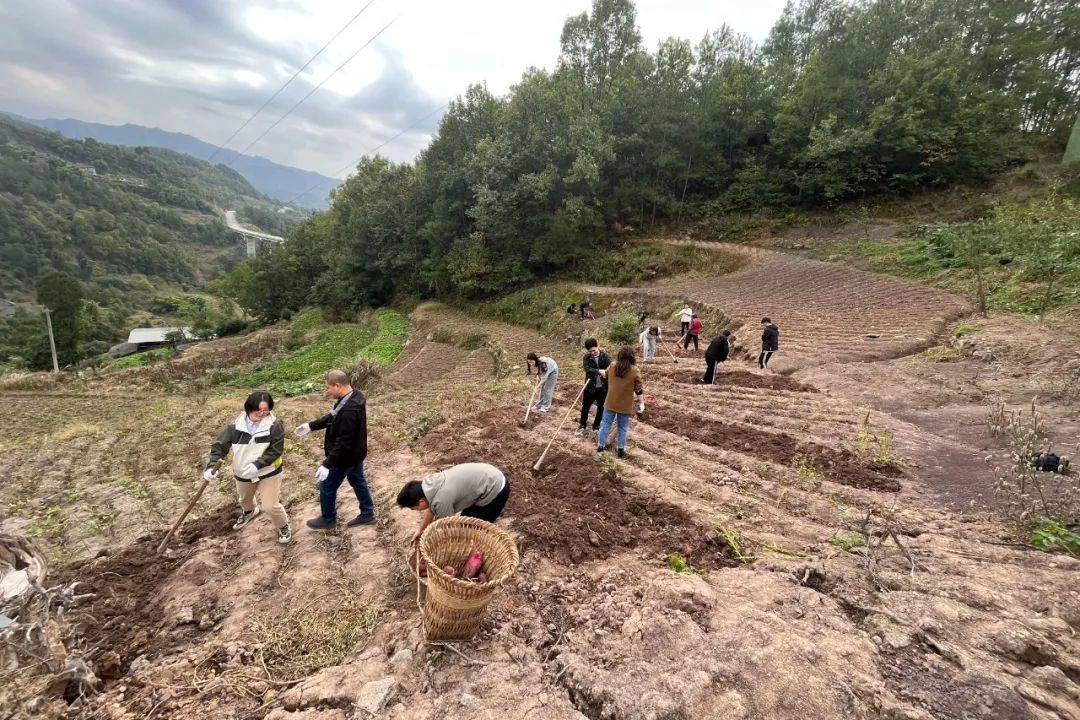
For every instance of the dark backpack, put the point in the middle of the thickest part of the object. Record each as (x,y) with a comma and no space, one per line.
(1048,462)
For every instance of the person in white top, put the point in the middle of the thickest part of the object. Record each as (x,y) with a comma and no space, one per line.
(547,375)
(686,315)
(649,338)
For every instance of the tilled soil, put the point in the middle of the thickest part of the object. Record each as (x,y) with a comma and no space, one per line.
(740,378)
(124,619)
(576,508)
(839,466)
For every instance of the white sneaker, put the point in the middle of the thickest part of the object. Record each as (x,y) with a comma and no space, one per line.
(580,431)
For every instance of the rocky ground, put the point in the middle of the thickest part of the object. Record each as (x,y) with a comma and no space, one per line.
(842,554)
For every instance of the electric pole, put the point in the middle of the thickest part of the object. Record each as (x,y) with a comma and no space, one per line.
(52,343)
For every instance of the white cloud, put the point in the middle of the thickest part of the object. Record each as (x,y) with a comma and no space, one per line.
(203,66)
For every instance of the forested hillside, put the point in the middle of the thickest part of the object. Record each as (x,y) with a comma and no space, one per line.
(285,183)
(145,211)
(844,101)
(130,225)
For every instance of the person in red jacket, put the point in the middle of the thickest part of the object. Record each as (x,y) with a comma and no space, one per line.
(692,333)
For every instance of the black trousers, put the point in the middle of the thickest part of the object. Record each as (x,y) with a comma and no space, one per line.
(685,328)
(493,509)
(710,371)
(763,358)
(686,342)
(592,395)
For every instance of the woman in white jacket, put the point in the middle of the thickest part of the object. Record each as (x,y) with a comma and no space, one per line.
(257,441)
(649,339)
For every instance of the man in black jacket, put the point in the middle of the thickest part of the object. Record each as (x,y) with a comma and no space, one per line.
(345,445)
(770,342)
(716,352)
(594,361)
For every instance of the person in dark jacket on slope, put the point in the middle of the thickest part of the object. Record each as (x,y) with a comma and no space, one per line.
(717,352)
(345,446)
(770,342)
(594,361)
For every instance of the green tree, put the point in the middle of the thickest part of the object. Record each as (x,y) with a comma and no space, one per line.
(62,294)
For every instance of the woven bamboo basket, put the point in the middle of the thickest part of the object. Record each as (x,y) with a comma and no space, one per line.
(453,607)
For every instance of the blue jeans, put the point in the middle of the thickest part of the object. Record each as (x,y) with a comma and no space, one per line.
(605,428)
(328,491)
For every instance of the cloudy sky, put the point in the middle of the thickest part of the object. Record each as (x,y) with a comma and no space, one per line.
(203,66)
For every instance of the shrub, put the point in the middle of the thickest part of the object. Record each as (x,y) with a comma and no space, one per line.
(364,374)
(624,329)
(230,327)
(1023,491)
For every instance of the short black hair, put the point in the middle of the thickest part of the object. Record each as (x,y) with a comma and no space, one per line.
(591,343)
(532,356)
(411,494)
(727,333)
(694,314)
(766,320)
(257,398)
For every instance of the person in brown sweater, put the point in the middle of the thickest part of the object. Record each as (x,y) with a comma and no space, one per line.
(624,383)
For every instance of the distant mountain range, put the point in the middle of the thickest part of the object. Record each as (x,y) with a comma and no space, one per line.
(281,182)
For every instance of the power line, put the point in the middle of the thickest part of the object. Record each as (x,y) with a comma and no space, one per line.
(369,152)
(314,89)
(289,81)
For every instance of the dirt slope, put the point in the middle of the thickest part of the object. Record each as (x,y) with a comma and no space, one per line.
(825,312)
(828,575)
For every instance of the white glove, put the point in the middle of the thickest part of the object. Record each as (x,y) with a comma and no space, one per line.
(249,472)
(322,473)
(209,474)
(641,407)
(303,430)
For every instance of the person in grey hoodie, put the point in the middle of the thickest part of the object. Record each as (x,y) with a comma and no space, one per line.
(257,441)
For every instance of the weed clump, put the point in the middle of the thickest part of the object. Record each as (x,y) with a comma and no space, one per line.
(678,563)
(316,635)
(1023,491)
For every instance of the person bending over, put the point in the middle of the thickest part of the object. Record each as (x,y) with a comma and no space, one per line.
(717,352)
(476,490)
(547,376)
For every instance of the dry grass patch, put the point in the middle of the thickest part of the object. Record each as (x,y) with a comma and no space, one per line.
(318,634)
(76,431)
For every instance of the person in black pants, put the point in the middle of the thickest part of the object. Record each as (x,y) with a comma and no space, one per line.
(692,333)
(770,342)
(717,352)
(594,361)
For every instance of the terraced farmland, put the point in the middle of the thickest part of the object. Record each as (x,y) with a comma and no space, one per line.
(826,313)
(773,547)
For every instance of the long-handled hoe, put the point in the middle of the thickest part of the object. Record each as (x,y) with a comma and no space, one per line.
(191,504)
(556,433)
(528,408)
(671,354)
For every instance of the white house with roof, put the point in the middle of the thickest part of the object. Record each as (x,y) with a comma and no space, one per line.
(140,339)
